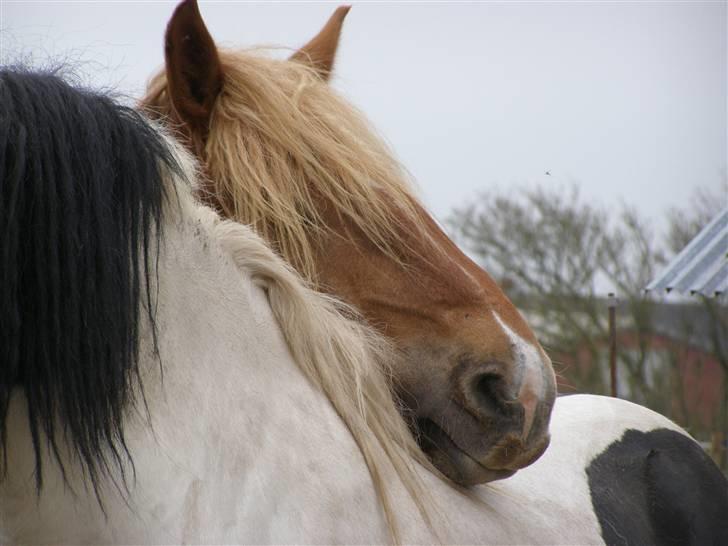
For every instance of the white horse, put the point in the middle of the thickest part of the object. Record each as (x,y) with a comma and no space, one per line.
(247,409)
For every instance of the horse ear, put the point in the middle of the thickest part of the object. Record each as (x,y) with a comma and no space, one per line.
(319,53)
(194,75)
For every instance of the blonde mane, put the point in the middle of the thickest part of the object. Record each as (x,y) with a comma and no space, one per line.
(282,145)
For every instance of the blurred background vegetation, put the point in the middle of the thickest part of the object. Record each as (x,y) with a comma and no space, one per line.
(557,257)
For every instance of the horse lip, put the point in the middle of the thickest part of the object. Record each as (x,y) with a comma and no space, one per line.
(430,432)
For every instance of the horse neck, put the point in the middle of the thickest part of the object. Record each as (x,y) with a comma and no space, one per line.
(233,425)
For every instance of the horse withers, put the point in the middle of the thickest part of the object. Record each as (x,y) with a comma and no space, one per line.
(282,152)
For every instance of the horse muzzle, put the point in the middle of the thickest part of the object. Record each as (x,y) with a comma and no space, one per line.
(486,421)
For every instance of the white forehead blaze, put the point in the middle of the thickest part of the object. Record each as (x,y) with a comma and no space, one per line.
(529,368)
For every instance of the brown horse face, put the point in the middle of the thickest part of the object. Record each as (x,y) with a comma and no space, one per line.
(476,386)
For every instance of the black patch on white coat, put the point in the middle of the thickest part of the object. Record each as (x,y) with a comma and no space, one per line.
(658,487)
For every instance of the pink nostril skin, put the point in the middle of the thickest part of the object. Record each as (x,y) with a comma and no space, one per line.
(529,401)
(532,391)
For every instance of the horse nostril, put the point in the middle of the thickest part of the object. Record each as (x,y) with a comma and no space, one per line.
(488,389)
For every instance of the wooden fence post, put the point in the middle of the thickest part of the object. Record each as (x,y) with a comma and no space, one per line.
(612,303)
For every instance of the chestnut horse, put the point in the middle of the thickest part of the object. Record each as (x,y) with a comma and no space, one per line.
(282,152)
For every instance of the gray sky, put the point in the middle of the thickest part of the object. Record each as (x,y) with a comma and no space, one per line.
(626,99)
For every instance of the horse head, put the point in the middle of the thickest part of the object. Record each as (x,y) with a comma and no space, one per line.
(280,150)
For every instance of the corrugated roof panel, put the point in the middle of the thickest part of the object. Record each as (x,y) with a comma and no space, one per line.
(718,283)
(722,285)
(704,273)
(702,266)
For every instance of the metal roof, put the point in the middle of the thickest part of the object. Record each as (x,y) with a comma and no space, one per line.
(702,266)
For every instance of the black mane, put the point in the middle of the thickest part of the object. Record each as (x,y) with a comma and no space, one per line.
(81,196)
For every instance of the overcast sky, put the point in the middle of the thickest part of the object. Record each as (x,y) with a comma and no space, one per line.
(626,99)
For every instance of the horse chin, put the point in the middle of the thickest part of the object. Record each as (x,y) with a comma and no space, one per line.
(453,461)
